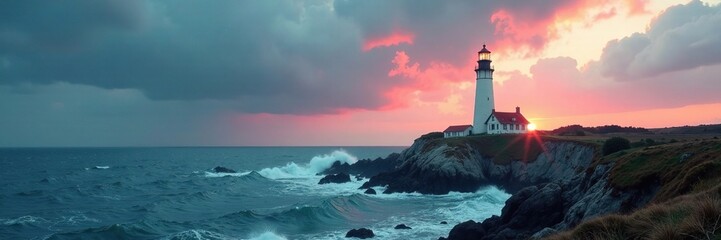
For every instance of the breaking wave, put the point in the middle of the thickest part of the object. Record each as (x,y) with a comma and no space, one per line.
(316,165)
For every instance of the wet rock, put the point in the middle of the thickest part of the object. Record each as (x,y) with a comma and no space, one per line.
(370,191)
(467,230)
(402,226)
(365,168)
(361,233)
(220,169)
(335,178)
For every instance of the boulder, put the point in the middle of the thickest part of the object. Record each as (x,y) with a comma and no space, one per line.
(467,231)
(220,169)
(365,168)
(543,208)
(370,191)
(440,170)
(335,178)
(402,226)
(444,222)
(529,211)
(361,233)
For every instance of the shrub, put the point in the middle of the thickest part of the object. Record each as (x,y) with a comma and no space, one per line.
(638,144)
(615,144)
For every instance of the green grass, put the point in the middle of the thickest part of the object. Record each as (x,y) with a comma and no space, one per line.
(687,205)
(503,148)
(642,166)
(662,165)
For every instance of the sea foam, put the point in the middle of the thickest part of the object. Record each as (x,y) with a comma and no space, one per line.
(196,234)
(268,236)
(213,174)
(316,165)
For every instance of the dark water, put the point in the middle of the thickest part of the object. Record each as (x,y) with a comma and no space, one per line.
(168,193)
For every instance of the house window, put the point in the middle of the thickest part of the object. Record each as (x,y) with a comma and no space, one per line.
(517,127)
(523,127)
(505,126)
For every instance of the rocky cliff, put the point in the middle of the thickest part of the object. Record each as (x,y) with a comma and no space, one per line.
(556,184)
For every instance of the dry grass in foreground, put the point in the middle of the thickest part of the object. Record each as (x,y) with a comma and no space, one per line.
(696,216)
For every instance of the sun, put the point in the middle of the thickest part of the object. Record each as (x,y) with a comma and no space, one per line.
(531,127)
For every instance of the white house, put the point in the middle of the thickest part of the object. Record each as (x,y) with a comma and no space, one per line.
(507,122)
(457,131)
(485,118)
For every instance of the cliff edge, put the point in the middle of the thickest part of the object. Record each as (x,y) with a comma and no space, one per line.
(556,183)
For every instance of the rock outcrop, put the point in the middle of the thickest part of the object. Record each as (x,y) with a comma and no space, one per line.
(442,168)
(365,168)
(361,233)
(402,226)
(555,190)
(220,169)
(335,178)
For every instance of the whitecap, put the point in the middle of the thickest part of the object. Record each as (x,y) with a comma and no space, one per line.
(316,165)
(101,167)
(22,220)
(453,208)
(75,219)
(196,234)
(268,236)
(215,175)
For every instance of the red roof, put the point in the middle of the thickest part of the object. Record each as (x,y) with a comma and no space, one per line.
(509,118)
(457,128)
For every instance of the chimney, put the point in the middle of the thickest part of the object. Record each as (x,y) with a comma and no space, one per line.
(518,110)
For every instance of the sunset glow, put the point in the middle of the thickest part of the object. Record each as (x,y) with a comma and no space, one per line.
(351,72)
(389,40)
(531,127)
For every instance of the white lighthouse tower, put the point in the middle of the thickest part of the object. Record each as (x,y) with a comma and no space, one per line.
(484,91)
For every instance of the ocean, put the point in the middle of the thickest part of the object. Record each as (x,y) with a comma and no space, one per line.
(171,193)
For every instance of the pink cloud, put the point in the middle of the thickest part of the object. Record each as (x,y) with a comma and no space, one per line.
(523,30)
(393,39)
(637,7)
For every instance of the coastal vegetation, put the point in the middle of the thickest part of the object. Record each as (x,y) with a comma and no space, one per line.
(632,184)
(687,184)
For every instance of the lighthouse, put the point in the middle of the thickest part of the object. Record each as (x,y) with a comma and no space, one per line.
(484,92)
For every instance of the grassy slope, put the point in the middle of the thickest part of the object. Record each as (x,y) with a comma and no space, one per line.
(502,148)
(687,205)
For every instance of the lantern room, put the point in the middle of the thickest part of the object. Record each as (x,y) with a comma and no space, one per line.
(484,54)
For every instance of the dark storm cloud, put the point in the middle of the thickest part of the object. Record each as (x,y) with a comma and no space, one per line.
(683,37)
(260,56)
(446,30)
(270,56)
(59,25)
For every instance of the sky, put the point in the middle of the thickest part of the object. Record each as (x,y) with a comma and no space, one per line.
(344,72)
